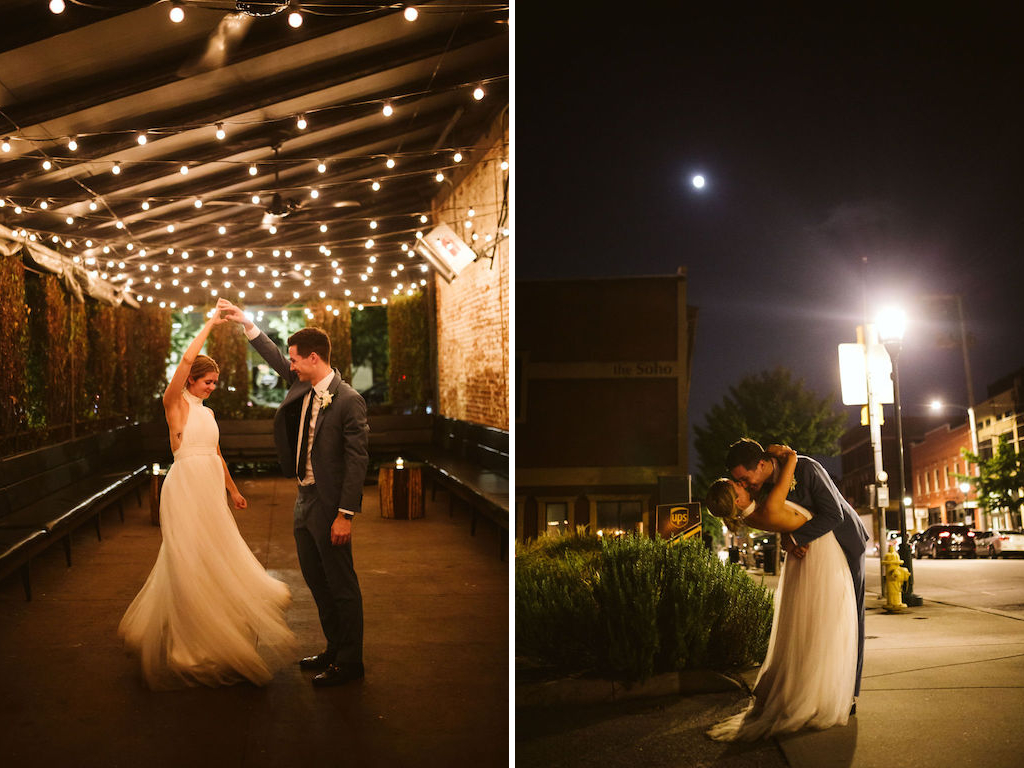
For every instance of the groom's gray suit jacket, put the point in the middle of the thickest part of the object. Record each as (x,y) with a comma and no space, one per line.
(340,439)
(816,492)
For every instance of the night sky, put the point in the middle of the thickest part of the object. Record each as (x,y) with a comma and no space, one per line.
(827,137)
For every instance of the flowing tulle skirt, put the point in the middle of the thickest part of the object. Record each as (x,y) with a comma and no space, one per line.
(808,675)
(209,613)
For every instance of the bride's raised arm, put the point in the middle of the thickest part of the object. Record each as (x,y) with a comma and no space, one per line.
(772,514)
(172,395)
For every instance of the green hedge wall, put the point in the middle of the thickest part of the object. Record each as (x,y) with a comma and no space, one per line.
(409,381)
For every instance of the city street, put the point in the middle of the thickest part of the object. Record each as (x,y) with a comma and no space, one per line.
(990,585)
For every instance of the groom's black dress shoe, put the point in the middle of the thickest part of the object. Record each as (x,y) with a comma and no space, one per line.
(320,661)
(853,709)
(339,674)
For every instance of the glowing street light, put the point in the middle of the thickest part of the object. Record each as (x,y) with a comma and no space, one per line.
(698,181)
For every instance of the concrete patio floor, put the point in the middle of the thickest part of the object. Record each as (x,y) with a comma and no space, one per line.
(436,653)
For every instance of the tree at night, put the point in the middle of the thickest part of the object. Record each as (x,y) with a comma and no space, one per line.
(1000,478)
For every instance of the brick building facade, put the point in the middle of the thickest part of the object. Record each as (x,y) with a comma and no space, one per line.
(472,312)
(936,460)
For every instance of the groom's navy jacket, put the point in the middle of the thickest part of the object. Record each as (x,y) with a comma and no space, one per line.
(340,436)
(816,492)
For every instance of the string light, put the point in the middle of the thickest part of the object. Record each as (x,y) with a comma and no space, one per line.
(177,13)
(295,20)
(253,170)
(6,145)
(145,205)
(301,123)
(47,165)
(390,162)
(72,145)
(141,139)
(457,157)
(183,170)
(439,177)
(56,6)
(255,199)
(116,170)
(478,93)
(375,186)
(220,132)
(388,110)
(321,167)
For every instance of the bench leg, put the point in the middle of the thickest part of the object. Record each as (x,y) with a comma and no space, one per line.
(26,580)
(66,541)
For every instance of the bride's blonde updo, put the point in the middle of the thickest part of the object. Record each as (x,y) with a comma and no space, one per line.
(721,502)
(202,366)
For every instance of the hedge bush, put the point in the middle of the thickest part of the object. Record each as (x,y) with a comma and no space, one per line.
(628,608)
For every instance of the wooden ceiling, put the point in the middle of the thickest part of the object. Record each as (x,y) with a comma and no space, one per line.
(105,72)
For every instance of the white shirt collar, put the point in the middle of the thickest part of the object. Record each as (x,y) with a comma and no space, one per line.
(321,386)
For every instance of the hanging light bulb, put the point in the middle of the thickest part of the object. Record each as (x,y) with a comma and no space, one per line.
(220,132)
(478,93)
(170,227)
(145,205)
(183,170)
(504,165)
(177,13)
(321,167)
(47,165)
(314,193)
(423,218)
(295,19)
(373,225)
(92,205)
(411,14)
(72,145)
(56,6)
(390,162)
(255,199)
(44,205)
(141,138)
(69,221)
(117,168)
(6,145)
(222,230)
(439,177)
(457,157)
(198,203)
(388,110)
(301,123)
(375,186)
(323,227)
(272,230)
(253,170)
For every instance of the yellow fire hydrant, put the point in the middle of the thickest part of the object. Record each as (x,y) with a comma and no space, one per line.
(895,576)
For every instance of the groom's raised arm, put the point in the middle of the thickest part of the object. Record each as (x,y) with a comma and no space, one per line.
(825,503)
(267,349)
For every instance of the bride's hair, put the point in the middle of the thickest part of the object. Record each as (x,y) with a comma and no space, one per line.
(202,366)
(721,502)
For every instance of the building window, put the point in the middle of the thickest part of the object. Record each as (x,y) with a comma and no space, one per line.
(934,516)
(935,472)
(945,479)
(619,516)
(927,484)
(556,515)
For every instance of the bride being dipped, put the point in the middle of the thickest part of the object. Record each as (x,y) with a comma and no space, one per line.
(809,673)
(209,613)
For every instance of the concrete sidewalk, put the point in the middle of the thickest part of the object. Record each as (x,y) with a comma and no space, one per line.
(436,654)
(943,685)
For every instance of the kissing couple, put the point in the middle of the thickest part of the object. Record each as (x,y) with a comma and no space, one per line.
(811,674)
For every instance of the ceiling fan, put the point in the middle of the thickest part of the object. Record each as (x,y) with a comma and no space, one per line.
(228,34)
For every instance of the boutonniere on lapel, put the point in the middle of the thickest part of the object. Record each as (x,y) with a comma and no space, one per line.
(325,399)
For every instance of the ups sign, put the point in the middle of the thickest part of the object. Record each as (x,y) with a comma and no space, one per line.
(678,520)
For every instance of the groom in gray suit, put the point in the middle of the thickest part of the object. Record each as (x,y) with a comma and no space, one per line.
(321,436)
(750,465)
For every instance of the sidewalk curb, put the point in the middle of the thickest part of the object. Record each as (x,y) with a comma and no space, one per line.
(576,690)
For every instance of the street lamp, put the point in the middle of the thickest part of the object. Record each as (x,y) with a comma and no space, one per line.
(891,324)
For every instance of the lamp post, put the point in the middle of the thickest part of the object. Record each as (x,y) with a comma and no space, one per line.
(891,324)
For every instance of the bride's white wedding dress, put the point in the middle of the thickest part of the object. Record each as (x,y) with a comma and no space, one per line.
(808,675)
(209,613)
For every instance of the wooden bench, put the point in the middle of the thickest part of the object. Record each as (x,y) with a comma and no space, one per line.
(470,461)
(47,493)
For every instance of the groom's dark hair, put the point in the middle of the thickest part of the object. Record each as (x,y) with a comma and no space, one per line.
(309,340)
(746,452)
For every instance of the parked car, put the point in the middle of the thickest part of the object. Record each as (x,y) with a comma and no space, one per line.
(912,543)
(946,541)
(988,543)
(1011,543)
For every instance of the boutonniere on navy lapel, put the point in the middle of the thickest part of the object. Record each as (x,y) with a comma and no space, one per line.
(325,399)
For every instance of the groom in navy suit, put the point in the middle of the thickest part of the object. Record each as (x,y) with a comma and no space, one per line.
(321,436)
(750,465)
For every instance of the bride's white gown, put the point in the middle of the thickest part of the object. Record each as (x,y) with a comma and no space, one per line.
(209,613)
(807,677)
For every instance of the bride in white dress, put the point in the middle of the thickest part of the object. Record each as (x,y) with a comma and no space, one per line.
(808,675)
(209,613)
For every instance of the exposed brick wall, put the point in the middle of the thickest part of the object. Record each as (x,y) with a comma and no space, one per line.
(473,310)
